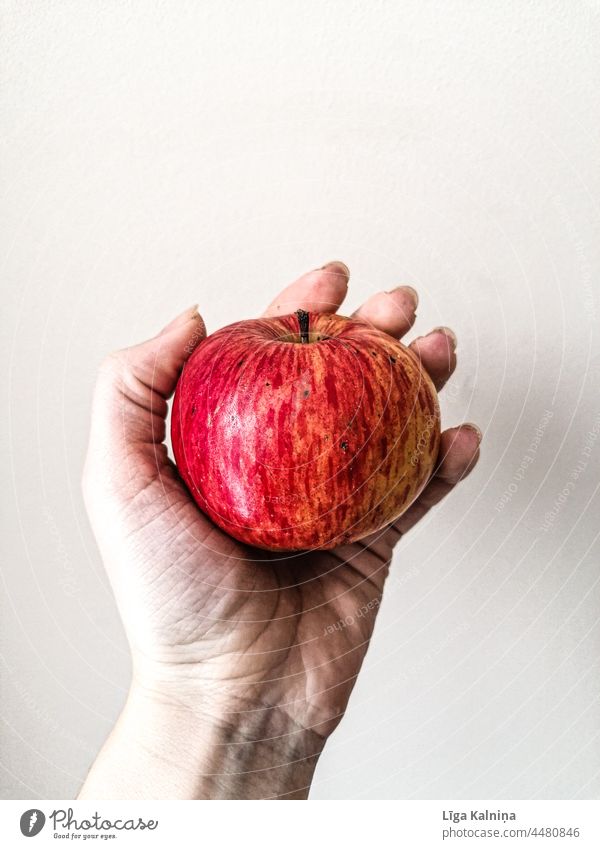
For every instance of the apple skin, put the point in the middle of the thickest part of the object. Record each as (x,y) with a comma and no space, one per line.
(292,445)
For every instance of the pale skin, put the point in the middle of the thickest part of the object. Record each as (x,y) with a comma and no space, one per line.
(239,677)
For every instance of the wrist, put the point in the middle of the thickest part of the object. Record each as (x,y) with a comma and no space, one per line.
(184,748)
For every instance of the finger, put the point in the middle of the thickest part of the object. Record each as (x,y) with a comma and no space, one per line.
(157,363)
(322,290)
(392,312)
(130,398)
(437,352)
(458,455)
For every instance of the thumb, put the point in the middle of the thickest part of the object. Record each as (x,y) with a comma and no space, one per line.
(157,363)
(130,399)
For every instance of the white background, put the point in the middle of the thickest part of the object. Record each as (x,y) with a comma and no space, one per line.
(157,154)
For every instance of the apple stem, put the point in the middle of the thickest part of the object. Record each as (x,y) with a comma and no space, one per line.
(303,323)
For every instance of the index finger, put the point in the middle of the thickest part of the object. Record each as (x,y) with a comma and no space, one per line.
(321,290)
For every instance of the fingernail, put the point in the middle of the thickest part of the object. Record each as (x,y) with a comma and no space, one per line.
(337,265)
(475,429)
(412,293)
(183,318)
(449,333)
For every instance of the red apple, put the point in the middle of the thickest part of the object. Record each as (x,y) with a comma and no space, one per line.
(304,431)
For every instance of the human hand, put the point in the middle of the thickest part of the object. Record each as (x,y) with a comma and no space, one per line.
(241,664)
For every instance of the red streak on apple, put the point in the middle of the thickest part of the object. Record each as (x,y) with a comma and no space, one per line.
(304,431)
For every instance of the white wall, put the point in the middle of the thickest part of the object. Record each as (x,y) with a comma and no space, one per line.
(156,154)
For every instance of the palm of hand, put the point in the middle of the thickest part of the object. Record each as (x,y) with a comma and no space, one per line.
(209,610)
(206,615)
